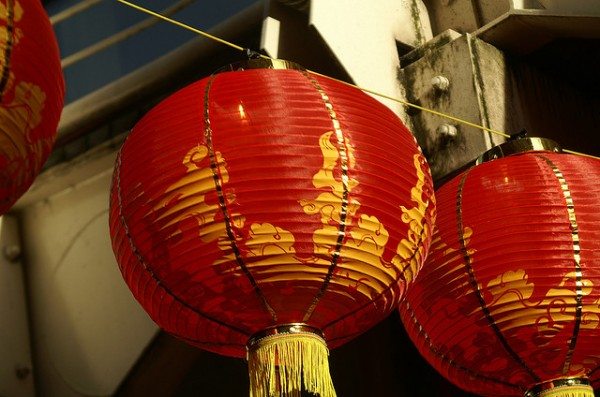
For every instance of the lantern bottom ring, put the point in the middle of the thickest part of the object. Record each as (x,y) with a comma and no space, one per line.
(562,387)
(291,328)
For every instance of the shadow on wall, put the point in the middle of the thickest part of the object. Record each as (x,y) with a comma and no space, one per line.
(556,90)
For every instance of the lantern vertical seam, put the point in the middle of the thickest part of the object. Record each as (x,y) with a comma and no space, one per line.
(10,26)
(564,186)
(448,360)
(223,204)
(341,234)
(475,285)
(593,372)
(136,252)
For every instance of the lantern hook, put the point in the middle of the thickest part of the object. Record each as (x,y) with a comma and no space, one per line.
(518,135)
(518,145)
(251,54)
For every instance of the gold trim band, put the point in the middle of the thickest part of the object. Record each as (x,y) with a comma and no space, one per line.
(291,328)
(517,146)
(260,63)
(543,388)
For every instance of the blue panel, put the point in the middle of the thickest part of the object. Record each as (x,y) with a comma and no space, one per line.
(109,17)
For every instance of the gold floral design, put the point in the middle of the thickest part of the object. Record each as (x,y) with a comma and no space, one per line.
(16,17)
(512,292)
(19,118)
(273,245)
(22,113)
(452,255)
(363,251)
(363,268)
(410,251)
(367,238)
(186,198)
(329,204)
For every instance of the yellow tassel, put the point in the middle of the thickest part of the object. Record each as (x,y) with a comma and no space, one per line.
(285,364)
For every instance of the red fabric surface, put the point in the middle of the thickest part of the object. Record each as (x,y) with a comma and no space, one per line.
(520,244)
(32,91)
(278,160)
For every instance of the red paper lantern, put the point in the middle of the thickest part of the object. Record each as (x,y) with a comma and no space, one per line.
(508,303)
(32,90)
(270,209)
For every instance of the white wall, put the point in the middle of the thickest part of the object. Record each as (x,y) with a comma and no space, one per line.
(87,329)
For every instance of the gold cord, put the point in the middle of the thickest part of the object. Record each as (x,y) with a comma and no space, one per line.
(580,154)
(403,102)
(412,105)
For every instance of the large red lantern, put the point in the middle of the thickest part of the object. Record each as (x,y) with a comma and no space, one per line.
(270,212)
(32,90)
(508,303)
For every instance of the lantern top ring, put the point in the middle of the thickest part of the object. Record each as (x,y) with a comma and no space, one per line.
(291,328)
(541,389)
(260,63)
(517,146)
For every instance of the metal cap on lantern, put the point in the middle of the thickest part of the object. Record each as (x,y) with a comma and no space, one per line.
(508,303)
(272,213)
(32,91)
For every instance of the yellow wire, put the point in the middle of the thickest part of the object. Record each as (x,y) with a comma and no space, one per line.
(237,47)
(406,103)
(580,154)
(412,105)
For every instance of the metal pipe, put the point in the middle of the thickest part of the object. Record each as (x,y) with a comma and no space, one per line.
(122,35)
(161,76)
(72,11)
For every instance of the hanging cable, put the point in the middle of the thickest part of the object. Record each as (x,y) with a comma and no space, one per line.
(401,101)
(415,106)
(183,25)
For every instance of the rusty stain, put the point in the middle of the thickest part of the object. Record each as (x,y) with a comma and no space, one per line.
(479,86)
(416,19)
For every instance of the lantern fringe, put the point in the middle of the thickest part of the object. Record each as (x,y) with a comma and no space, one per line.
(286,364)
(568,391)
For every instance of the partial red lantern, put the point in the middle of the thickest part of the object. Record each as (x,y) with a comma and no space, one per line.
(270,212)
(32,91)
(508,303)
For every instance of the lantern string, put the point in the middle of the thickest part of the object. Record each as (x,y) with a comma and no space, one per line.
(398,100)
(580,154)
(415,106)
